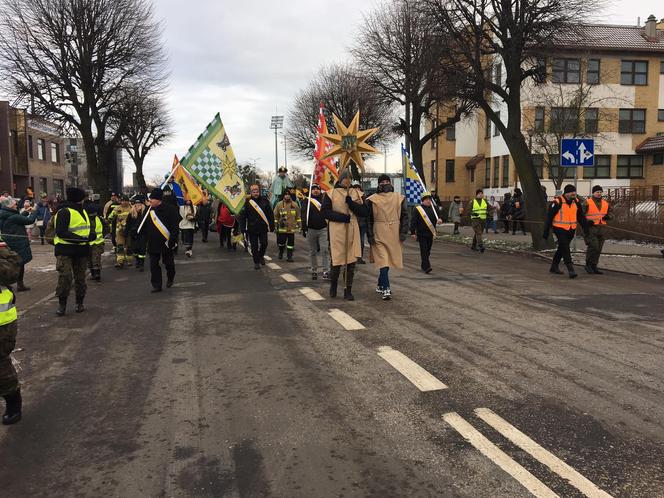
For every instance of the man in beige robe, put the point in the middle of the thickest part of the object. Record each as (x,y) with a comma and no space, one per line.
(341,207)
(387,229)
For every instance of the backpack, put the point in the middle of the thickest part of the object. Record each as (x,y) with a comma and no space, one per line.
(49,233)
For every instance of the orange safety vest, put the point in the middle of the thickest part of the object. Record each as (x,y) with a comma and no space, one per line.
(567,216)
(597,215)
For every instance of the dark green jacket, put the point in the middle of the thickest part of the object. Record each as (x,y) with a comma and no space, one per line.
(12,227)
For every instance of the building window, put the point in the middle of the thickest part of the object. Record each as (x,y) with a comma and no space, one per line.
(58,187)
(554,171)
(630,166)
(55,152)
(592,72)
(541,70)
(602,168)
(632,121)
(487,173)
(634,73)
(495,126)
(539,119)
(496,172)
(660,115)
(450,133)
(14,136)
(43,186)
(658,158)
(487,126)
(31,152)
(41,149)
(564,120)
(566,71)
(506,171)
(472,175)
(434,171)
(449,171)
(538,164)
(499,74)
(434,140)
(591,119)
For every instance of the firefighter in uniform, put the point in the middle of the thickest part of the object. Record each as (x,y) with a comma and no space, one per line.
(138,240)
(565,214)
(120,229)
(598,212)
(287,220)
(73,234)
(479,209)
(96,246)
(10,267)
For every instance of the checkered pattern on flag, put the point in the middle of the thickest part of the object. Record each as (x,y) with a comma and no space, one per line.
(325,171)
(414,187)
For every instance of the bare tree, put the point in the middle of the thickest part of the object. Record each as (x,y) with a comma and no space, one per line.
(400,53)
(147,125)
(343,92)
(247,171)
(71,60)
(510,33)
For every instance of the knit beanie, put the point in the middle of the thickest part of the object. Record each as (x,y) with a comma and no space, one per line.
(597,188)
(75,194)
(569,188)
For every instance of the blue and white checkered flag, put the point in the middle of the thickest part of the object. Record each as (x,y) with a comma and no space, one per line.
(414,188)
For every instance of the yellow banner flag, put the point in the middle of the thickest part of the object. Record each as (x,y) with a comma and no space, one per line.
(190,188)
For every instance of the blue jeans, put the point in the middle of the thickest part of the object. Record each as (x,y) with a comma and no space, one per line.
(363,234)
(384,278)
(491,224)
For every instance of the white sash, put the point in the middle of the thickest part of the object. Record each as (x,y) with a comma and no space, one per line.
(260,212)
(427,220)
(318,205)
(160,226)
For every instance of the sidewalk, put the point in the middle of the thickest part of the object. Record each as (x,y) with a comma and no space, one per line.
(618,255)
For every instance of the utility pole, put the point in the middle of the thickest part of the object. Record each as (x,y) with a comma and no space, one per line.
(276,125)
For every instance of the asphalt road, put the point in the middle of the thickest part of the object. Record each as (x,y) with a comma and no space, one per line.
(494,378)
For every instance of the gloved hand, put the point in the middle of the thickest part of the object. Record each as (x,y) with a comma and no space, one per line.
(347,217)
(545,235)
(349,201)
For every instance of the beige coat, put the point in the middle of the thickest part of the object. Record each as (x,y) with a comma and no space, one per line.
(387,250)
(345,245)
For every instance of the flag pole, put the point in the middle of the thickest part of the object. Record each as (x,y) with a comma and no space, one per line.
(140,227)
(419,179)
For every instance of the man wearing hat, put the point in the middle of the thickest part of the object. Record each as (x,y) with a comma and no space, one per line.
(73,234)
(314,229)
(119,227)
(565,214)
(101,229)
(279,186)
(423,229)
(598,211)
(287,220)
(161,232)
(256,220)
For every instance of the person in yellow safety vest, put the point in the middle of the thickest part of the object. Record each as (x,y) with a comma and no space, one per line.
(287,219)
(565,214)
(10,268)
(96,246)
(598,211)
(121,229)
(479,210)
(73,235)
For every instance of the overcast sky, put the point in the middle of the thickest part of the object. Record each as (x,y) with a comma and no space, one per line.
(248,58)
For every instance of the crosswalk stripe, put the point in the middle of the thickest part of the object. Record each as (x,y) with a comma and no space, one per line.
(542,455)
(274,266)
(268,258)
(497,456)
(311,294)
(422,379)
(290,278)
(345,320)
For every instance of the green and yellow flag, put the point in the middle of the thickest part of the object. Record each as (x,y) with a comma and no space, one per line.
(212,162)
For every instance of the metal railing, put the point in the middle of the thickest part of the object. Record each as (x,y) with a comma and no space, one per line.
(638,212)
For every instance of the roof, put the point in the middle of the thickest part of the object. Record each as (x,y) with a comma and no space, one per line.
(611,37)
(474,161)
(651,144)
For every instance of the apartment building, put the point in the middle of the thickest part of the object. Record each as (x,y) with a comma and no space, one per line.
(31,153)
(619,71)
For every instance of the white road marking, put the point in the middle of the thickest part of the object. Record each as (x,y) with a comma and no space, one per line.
(536,451)
(497,456)
(311,294)
(268,258)
(422,379)
(274,266)
(345,320)
(290,278)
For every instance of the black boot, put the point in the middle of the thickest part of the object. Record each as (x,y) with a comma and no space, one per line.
(62,306)
(281,253)
(98,274)
(571,270)
(597,271)
(14,409)
(589,269)
(555,269)
(290,256)
(348,295)
(334,280)
(79,304)
(21,287)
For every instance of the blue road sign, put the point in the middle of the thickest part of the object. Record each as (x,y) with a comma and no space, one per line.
(577,152)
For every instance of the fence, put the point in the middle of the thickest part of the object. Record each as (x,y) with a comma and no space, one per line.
(638,213)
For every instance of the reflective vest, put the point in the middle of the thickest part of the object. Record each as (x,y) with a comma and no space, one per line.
(99,232)
(567,216)
(7,306)
(78,224)
(597,215)
(479,209)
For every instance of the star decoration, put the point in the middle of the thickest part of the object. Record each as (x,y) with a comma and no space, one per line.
(349,143)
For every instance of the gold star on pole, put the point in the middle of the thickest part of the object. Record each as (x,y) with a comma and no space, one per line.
(349,142)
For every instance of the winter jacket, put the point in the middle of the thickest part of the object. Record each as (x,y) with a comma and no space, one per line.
(204,214)
(12,227)
(417,224)
(252,222)
(224,217)
(188,217)
(454,213)
(287,217)
(170,217)
(41,210)
(312,218)
(62,231)
(518,208)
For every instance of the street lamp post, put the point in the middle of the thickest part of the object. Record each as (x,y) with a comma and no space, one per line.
(276,125)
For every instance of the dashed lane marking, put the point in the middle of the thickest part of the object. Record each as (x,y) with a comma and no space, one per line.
(345,320)
(274,266)
(268,258)
(542,455)
(290,278)
(311,294)
(422,379)
(497,456)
